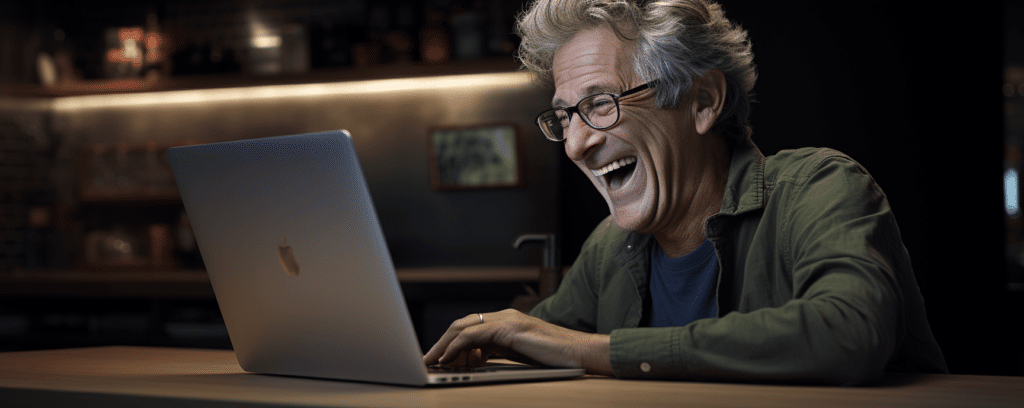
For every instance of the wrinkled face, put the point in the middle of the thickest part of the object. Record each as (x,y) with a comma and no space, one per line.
(649,164)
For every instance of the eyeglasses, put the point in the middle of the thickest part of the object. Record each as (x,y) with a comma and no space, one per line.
(600,111)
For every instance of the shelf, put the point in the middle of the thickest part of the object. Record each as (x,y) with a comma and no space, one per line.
(117,284)
(176,83)
(196,284)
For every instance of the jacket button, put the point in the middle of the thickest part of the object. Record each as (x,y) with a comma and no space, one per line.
(645,367)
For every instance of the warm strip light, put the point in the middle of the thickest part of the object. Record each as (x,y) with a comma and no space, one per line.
(266,41)
(1011,193)
(300,91)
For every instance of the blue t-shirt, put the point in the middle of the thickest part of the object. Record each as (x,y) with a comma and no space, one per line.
(682,289)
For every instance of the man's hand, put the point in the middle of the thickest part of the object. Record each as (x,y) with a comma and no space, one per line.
(521,337)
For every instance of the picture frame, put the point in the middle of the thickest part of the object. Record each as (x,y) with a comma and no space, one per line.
(474,157)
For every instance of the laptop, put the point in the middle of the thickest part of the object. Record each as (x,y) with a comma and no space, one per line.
(299,265)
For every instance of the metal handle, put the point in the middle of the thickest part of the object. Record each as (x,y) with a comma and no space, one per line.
(550,271)
(550,252)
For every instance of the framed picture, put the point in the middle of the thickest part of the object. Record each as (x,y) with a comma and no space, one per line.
(474,157)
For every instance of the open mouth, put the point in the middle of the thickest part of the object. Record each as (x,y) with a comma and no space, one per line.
(618,172)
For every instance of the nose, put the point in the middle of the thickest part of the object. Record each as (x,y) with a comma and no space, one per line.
(580,139)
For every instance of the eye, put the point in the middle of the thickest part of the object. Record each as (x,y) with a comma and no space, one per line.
(562,118)
(601,105)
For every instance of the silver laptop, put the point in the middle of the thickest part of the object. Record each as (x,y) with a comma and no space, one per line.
(299,265)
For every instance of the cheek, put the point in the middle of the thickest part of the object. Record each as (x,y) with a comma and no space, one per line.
(666,154)
(656,130)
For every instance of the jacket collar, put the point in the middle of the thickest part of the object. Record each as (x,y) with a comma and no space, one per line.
(745,189)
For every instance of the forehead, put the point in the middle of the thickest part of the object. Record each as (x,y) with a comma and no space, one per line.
(593,61)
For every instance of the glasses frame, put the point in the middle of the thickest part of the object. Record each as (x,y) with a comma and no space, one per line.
(576,109)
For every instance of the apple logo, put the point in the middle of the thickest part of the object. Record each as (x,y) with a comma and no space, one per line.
(287,257)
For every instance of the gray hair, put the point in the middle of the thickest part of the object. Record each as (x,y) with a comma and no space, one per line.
(676,41)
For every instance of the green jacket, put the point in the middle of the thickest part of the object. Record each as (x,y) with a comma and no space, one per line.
(814,283)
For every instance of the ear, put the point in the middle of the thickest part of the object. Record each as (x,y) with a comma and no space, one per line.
(709,101)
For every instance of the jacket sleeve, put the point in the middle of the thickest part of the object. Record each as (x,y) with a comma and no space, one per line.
(838,239)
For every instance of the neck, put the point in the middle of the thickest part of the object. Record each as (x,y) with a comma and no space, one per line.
(688,232)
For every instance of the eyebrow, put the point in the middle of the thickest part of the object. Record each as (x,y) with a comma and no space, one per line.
(595,89)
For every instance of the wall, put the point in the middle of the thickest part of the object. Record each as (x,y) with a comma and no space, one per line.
(389,120)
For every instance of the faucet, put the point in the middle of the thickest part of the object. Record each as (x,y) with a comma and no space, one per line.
(550,270)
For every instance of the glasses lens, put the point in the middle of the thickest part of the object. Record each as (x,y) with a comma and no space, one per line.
(601,110)
(552,122)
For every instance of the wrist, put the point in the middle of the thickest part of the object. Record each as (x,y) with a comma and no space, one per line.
(595,354)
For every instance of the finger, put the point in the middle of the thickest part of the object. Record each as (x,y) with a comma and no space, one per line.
(468,358)
(475,358)
(460,360)
(480,331)
(453,331)
(438,349)
(433,355)
(470,338)
(489,351)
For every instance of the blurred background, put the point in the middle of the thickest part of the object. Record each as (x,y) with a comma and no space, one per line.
(96,249)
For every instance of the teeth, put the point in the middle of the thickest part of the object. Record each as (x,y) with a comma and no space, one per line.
(625,161)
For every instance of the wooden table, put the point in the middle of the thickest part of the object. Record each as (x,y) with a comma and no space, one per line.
(159,377)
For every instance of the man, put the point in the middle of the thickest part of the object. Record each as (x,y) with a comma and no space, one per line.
(717,263)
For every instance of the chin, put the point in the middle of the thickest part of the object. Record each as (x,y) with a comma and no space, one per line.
(631,218)
(635,216)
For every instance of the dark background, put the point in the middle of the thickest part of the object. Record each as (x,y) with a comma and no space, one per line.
(911,89)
